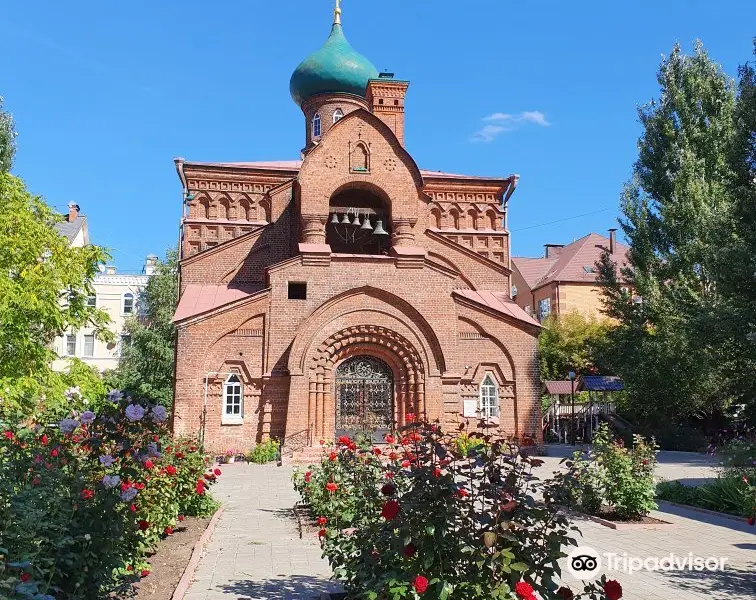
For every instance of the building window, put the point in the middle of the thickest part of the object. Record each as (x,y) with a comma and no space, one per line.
(71,344)
(92,301)
(89,341)
(297,291)
(128,303)
(123,341)
(514,291)
(489,397)
(337,115)
(316,125)
(544,309)
(232,400)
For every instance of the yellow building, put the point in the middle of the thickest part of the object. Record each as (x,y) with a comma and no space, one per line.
(564,279)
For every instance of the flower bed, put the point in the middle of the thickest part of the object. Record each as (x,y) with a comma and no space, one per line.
(421,519)
(83,504)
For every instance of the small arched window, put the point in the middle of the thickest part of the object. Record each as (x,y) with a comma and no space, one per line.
(489,397)
(338,114)
(361,158)
(233,400)
(316,125)
(128,303)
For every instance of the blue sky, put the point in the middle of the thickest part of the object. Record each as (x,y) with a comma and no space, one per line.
(106,94)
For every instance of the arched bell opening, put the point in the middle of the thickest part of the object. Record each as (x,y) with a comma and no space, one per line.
(358,222)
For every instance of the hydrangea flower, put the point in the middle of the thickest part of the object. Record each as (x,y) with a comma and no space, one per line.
(111,481)
(159,414)
(134,412)
(87,417)
(68,425)
(152,449)
(115,395)
(106,460)
(129,494)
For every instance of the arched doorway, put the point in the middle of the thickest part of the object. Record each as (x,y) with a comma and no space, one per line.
(364,397)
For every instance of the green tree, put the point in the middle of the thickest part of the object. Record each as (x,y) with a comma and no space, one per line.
(147,361)
(7,140)
(571,342)
(673,209)
(44,285)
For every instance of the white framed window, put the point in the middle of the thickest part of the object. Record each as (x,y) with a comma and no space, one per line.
(92,301)
(70,348)
(123,341)
(338,114)
(128,303)
(316,129)
(544,309)
(89,343)
(233,400)
(489,397)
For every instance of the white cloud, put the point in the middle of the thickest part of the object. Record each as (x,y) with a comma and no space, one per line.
(499,122)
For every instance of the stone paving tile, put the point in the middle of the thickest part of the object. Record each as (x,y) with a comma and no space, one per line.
(256,554)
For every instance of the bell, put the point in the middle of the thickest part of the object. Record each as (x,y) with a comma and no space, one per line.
(345,219)
(366,224)
(379,230)
(356,220)
(335,219)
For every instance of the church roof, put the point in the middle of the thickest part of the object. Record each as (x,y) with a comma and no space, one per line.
(198,299)
(335,68)
(498,302)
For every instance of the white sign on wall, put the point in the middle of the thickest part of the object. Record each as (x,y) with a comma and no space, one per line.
(470,408)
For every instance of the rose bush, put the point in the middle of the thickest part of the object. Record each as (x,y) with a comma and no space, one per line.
(420,519)
(82,503)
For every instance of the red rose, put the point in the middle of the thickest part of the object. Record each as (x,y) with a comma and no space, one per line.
(129,568)
(751,521)
(377,451)
(390,439)
(144,573)
(322,533)
(44,439)
(389,475)
(200,487)
(139,486)
(169,449)
(613,589)
(192,448)
(24,577)
(133,508)
(86,494)
(54,452)
(331,486)
(405,464)
(308,476)
(409,417)
(8,435)
(524,590)
(179,455)
(345,440)
(420,584)
(390,510)
(565,593)
(36,480)
(409,550)
(388,490)
(168,530)
(322,442)
(462,493)
(392,456)
(322,521)
(155,438)
(436,472)
(333,456)
(144,525)
(217,472)
(170,469)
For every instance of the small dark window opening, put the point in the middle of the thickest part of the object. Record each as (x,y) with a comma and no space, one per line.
(297,291)
(380,100)
(396,102)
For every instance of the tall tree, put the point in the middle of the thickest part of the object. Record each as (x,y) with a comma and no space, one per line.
(147,361)
(673,207)
(570,342)
(7,140)
(44,285)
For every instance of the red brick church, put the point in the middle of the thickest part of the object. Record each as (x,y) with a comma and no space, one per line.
(349,289)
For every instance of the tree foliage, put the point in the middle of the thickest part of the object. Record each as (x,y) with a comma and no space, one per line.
(571,342)
(44,285)
(147,362)
(7,140)
(670,347)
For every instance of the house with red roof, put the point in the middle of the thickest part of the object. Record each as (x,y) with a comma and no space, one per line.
(564,279)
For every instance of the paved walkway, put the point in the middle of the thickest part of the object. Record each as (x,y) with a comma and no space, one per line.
(256,554)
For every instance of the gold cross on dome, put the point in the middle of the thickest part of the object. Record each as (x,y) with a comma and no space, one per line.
(337,13)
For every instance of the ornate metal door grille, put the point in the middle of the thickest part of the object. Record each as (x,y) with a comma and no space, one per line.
(364,396)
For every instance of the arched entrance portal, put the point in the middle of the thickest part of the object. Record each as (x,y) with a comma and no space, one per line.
(364,397)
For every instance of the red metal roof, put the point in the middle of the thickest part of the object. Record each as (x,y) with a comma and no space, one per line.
(499,302)
(198,299)
(560,388)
